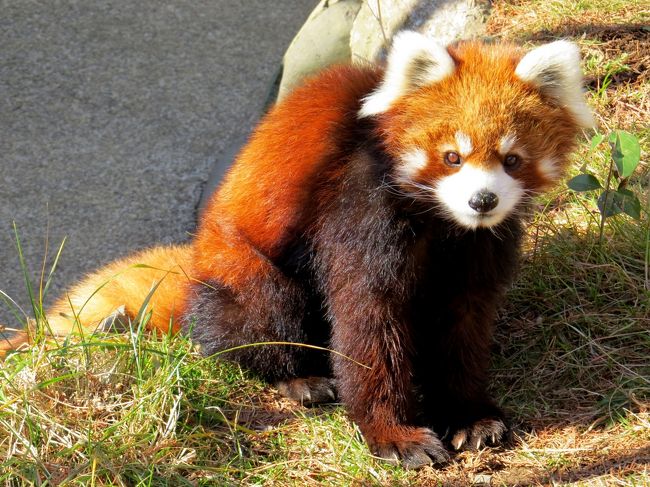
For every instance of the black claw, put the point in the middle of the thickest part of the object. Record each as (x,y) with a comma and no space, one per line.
(438,455)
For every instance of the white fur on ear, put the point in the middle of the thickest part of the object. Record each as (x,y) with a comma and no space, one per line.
(555,69)
(413,61)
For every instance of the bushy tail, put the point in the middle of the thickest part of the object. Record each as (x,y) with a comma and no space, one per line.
(153,281)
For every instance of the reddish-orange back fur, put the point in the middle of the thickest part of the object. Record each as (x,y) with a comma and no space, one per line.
(266,197)
(250,210)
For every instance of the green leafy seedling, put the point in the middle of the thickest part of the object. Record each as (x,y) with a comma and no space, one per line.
(625,157)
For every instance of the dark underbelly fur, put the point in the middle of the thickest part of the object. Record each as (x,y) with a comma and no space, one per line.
(476,266)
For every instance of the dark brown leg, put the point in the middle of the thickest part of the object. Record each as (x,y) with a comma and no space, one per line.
(456,402)
(375,380)
(367,288)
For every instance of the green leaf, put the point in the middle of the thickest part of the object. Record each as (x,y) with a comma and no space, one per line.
(584,182)
(606,204)
(595,140)
(631,204)
(613,202)
(626,152)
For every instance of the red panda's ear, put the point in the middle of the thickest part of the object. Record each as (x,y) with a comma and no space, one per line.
(555,70)
(413,61)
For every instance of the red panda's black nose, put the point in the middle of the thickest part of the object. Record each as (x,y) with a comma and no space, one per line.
(483,201)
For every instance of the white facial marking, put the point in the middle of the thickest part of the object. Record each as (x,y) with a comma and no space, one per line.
(549,169)
(507,143)
(412,162)
(455,191)
(464,143)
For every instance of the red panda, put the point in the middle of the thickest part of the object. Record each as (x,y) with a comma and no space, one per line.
(377,212)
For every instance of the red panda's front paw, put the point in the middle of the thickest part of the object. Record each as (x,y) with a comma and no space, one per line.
(413,447)
(484,432)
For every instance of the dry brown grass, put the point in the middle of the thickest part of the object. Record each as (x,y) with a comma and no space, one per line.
(520,19)
(615,40)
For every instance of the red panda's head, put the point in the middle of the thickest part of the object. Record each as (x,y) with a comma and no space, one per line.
(477,128)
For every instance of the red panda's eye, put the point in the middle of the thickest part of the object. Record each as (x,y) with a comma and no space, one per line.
(452,159)
(511,161)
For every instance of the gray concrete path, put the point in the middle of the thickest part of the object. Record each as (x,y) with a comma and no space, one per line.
(112,114)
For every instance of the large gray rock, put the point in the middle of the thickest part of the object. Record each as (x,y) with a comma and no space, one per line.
(446,20)
(323,40)
(112,114)
(339,31)
(375,25)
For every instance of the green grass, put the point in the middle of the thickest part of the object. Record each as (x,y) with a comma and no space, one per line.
(570,365)
(90,413)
